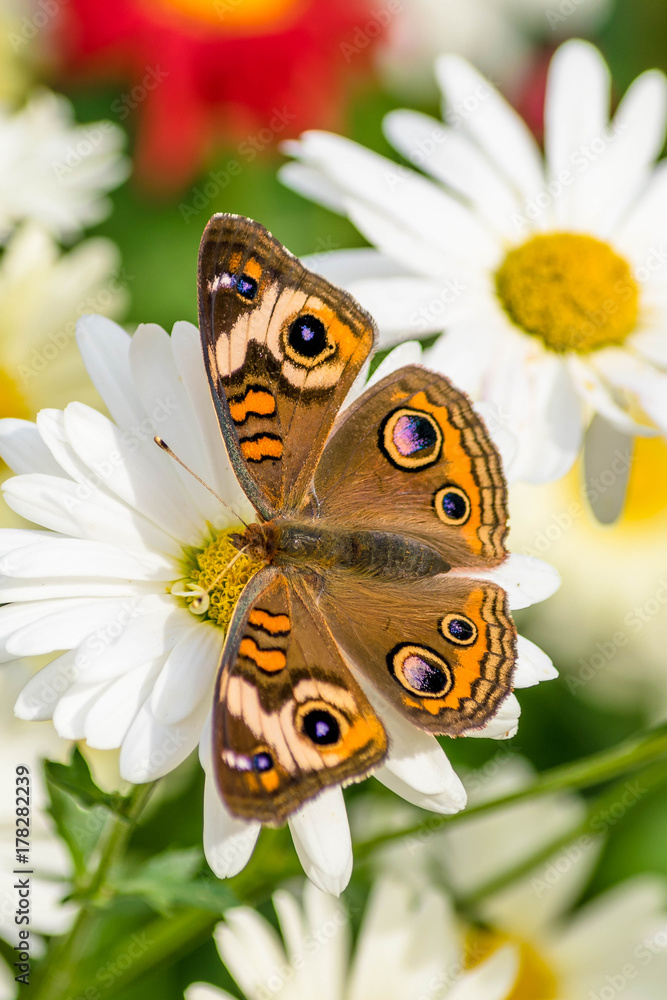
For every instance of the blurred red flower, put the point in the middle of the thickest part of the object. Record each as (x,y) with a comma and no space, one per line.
(200,72)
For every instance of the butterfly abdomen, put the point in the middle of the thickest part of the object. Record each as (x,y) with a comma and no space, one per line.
(366,553)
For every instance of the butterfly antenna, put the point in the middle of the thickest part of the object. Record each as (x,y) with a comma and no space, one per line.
(165,447)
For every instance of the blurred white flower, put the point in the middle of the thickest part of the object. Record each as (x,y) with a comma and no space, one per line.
(129,533)
(42,294)
(410,945)
(54,171)
(497,35)
(548,274)
(24,743)
(615,944)
(614,583)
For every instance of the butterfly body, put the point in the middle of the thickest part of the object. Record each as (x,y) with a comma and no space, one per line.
(367,553)
(372,525)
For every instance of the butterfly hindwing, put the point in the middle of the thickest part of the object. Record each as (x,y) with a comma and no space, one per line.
(282,347)
(440,650)
(289,719)
(412,456)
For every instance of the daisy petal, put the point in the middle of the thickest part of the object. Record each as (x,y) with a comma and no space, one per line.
(572,124)
(188,673)
(526,579)
(22,448)
(39,697)
(492,979)
(599,397)
(470,101)
(109,719)
(444,802)
(83,512)
(160,386)
(151,750)
(607,463)
(228,841)
(321,836)
(452,158)
(63,627)
(533,665)
(105,349)
(503,725)
(54,556)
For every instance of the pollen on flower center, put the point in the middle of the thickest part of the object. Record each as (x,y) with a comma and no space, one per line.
(207,565)
(571,290)
(535,977)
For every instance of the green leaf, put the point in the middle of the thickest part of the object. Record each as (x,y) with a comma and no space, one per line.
(171,879)
(79,827)
(79,808)
(75,779)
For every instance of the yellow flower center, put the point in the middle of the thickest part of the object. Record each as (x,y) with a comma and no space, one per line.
(571,290)
(211,569)
(12,403)
(247,17)
(535,979)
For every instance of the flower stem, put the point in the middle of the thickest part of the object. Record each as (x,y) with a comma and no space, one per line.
(59,966)
(586,773)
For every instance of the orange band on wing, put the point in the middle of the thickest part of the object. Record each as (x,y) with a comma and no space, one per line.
(257,402)
(261,446)
(273,624)
(271,660)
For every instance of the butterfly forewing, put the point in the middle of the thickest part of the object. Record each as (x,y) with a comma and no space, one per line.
(282,347)
(289,718)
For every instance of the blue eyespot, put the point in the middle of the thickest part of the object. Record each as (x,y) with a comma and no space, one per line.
(307,336)
(413,434)
(458,629)
(246,287)
(452,505)
(321,727)
(262,761)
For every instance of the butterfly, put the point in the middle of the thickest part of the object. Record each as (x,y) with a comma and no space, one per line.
(366,519)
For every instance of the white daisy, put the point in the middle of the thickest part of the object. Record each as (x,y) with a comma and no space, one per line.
(410,945)
(129,537)
(42,294)
(548,274)
(26,743)
(497,35)
(55,171)
(616,944)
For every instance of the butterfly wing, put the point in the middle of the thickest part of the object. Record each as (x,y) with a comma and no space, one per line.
(289,719)
(282,347)
(441,650)
(412,456)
